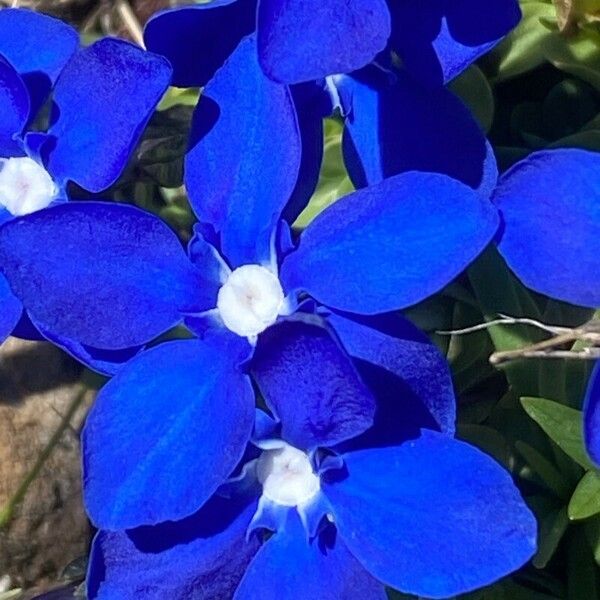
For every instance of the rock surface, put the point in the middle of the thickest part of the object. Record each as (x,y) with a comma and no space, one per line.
(49,528)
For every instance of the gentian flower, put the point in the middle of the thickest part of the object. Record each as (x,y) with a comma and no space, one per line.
(399,505)
(103,95)
(378,250)
(300,40)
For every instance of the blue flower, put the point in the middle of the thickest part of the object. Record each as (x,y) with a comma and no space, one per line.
(377,250)
(304,40)
(399,505)
(102,95)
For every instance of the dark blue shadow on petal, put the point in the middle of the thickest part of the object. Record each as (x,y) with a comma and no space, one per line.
(417,129)
(437,40)
(213,518)
(308,100)
(198,39)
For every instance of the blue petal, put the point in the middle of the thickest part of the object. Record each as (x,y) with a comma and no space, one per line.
(237,183)
(14,107)
(310,385)
(203,556)
(38,46)
(390,245)
(550,205)
(105,275)
(591,416)
(104,97)
(421,375)
(434,517)
(302,40)
(164,433)
(10,310)
(210,31)
(438,40)
(418,129)
(321,570)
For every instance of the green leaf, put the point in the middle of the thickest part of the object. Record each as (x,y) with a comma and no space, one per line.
(551,530)
(585,501)
(473,88)
(544,469)
(523,50)
(563,425)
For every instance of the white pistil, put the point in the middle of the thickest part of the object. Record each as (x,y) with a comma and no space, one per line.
(287,476)
(250,300)
(25,186)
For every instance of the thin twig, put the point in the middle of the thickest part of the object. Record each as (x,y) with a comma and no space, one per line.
(130,21)
(506,320)
(7,512)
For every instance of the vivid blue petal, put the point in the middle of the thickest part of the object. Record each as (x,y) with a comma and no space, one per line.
(105,275)
(591,416)
(10,310)
(38,46)
(14,107)
(321,570)
(550,206)
(198,39)
(417,129)
(421,375)
(311,385)
(103,99)
(202,556)
(303,40)
(175,420)
(433,517)
(237,183)
(437,40)
(390,245)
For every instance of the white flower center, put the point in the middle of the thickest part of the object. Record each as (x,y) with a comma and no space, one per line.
(250,300)
(287,476)
(25,186)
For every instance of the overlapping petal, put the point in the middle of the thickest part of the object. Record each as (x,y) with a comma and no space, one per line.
(10,310)
(302,40)
(105,275)
(240,182)
(417,515)
(420,374)
(179,416)
(550,207)
(198,39)
(311,385)
(591,416)
(416,129)
(321,570)
(438,40)
(202,556)
(14,107)
(38,46)
(390,245)
(103,99)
